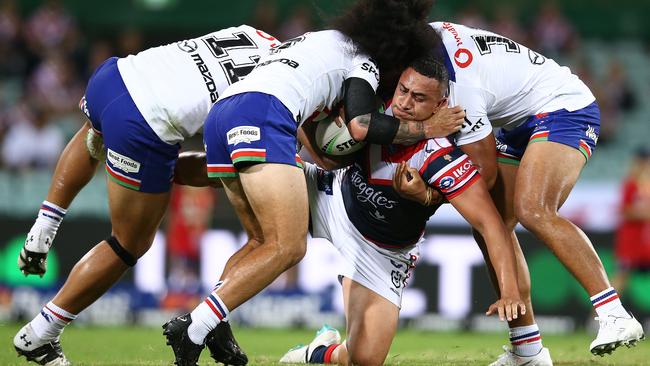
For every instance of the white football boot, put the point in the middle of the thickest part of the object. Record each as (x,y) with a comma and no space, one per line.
(326,336)
(508,358)
(614,332)
(47,353)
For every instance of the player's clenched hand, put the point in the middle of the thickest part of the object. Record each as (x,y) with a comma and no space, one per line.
(507,308)
(408,184)
(444,122)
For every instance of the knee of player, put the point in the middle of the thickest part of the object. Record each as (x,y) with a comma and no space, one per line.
(533,214)
(135,247)
(359,357)
(290,252)
(255,241)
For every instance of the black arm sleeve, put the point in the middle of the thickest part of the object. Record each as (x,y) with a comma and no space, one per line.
(360,99)
(382,129)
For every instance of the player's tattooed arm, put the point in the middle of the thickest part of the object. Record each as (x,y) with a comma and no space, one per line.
(379,128)
(409,132)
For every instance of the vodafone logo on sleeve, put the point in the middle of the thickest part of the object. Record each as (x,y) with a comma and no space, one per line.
(462,57)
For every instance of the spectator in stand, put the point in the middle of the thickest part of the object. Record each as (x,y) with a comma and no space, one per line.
(55,84)
(130,42)
(31,141)
(265,17)
(553,33)
(505,23)
(100,51)
(49,28)
(471,16)
(13,62)
(617,97)
(632,245)
(299,22)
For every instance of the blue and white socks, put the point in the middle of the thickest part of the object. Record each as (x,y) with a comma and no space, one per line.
(607,303)
(206,316)
(323,354)
(526,341)
(44,230)
(51,321)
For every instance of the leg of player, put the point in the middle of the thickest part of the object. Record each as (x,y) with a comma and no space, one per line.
(221,342)
(546,176)
(282,212)
(525,338)
(371,322)
(135,216)
(371,326)
(191,169)
(74,170)
(277,195)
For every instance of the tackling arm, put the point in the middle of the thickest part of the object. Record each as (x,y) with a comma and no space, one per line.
(366,124)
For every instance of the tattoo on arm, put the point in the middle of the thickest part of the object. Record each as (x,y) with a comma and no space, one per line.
(409,133)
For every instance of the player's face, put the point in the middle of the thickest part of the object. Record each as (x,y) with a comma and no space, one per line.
(417,97)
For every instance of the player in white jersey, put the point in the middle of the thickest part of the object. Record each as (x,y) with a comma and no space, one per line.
(250,140)
(143,106)
(377,232)
(550,123)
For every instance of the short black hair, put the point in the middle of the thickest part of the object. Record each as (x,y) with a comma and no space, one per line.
(431,67)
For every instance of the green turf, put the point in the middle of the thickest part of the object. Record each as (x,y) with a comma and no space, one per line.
(146,346)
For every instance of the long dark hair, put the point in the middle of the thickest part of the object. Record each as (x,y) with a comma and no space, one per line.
(392,32)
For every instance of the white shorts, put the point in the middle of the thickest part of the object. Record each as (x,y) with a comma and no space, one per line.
(381,270)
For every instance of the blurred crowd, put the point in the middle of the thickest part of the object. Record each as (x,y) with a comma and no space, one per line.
(47,58)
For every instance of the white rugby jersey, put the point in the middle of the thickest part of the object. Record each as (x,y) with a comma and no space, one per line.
(307,73)
(174,86)
(501,83)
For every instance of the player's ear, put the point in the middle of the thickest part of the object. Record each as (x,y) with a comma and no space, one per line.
(441,103)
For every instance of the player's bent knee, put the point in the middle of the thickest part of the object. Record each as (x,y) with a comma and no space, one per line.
(361,358)
(296,252)
(121,252)
(533,216)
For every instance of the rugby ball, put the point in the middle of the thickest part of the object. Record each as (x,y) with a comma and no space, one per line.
(335,140)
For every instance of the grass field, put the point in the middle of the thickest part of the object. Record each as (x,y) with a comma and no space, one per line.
(146,346)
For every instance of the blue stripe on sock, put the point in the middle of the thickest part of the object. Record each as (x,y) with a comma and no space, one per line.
(217,304)
(602,297)
(53,210)
(51,216)
(524,336)
(318,355)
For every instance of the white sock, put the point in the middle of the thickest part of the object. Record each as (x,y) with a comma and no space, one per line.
(51,321)
(206,317)
(48,220)
(526,341)
(607,303)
